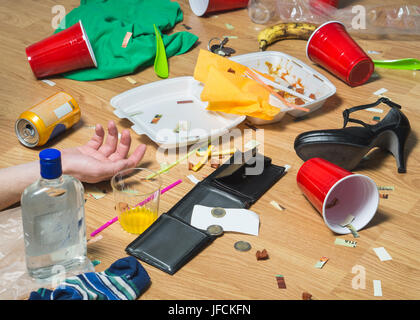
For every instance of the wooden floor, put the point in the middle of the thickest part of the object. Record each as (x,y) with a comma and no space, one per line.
(295,238)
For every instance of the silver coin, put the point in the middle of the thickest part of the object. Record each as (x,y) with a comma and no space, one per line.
(242,246)
(218,212)
(215,230)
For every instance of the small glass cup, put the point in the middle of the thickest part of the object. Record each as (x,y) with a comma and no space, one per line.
(136,197)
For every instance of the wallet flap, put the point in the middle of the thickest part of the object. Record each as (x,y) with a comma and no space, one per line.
(236,164)
(250,180)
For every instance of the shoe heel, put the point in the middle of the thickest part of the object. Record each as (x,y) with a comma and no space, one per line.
(396,147)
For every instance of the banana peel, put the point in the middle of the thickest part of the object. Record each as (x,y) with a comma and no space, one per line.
(285,31)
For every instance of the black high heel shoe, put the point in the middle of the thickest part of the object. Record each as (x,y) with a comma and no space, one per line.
(347,146)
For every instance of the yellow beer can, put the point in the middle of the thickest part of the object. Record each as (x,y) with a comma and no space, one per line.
(44,121)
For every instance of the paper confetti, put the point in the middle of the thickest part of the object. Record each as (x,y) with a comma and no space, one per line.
(377,288)
(126,39)
(214,164)
(383,196)
(380,92)
(382,254)
(374,52)
(193,179)
(347,224)
(386,188)
(280,281)
(353,230)
(131,80)
(276,205)
(321,262)
(96,262)
(229,26)
(230,37)
(345,243)
(306,296)
(156,118)
(375,110)
(94,192)
(262,255)
(94,239)
(49,82)
(184,101)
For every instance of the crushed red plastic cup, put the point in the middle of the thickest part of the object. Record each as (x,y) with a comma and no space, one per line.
(64,51)
(337,193)
(202,7)
(333,48)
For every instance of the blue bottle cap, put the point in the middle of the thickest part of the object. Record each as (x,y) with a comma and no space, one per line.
(50,163)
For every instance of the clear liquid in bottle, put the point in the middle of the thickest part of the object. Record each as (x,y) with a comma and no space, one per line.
(53,220)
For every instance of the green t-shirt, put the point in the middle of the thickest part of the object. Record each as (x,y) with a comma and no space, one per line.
(106,23)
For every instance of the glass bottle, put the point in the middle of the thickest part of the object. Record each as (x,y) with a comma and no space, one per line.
(53,220)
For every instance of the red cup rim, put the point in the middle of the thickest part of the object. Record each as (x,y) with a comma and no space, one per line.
(368,75)
(29,58)
(342,230)
(316,30)
(85,37)
(199,7)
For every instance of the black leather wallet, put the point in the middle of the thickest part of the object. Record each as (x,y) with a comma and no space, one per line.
(170,242)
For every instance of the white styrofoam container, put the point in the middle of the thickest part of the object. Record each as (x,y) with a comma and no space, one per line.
(141,104)
(295,70)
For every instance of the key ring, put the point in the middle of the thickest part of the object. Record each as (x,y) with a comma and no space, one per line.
(220,49)
(210,41)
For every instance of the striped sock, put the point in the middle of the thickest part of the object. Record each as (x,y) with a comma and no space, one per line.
(125,279)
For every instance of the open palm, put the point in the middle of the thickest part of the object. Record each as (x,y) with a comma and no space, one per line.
(97,161)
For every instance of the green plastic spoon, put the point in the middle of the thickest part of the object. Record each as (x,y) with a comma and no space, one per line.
(403,64)
(161,62)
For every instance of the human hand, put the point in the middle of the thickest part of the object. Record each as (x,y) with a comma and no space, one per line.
(95,161)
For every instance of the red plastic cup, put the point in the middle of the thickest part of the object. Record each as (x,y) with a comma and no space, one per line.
(323,7)
(337,193)
(201,7)
(334,49)
(64,51)
(332,3)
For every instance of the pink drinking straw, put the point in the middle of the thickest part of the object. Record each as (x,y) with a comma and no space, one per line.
(107,224)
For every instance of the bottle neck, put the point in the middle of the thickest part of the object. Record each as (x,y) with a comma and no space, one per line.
(51,182)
